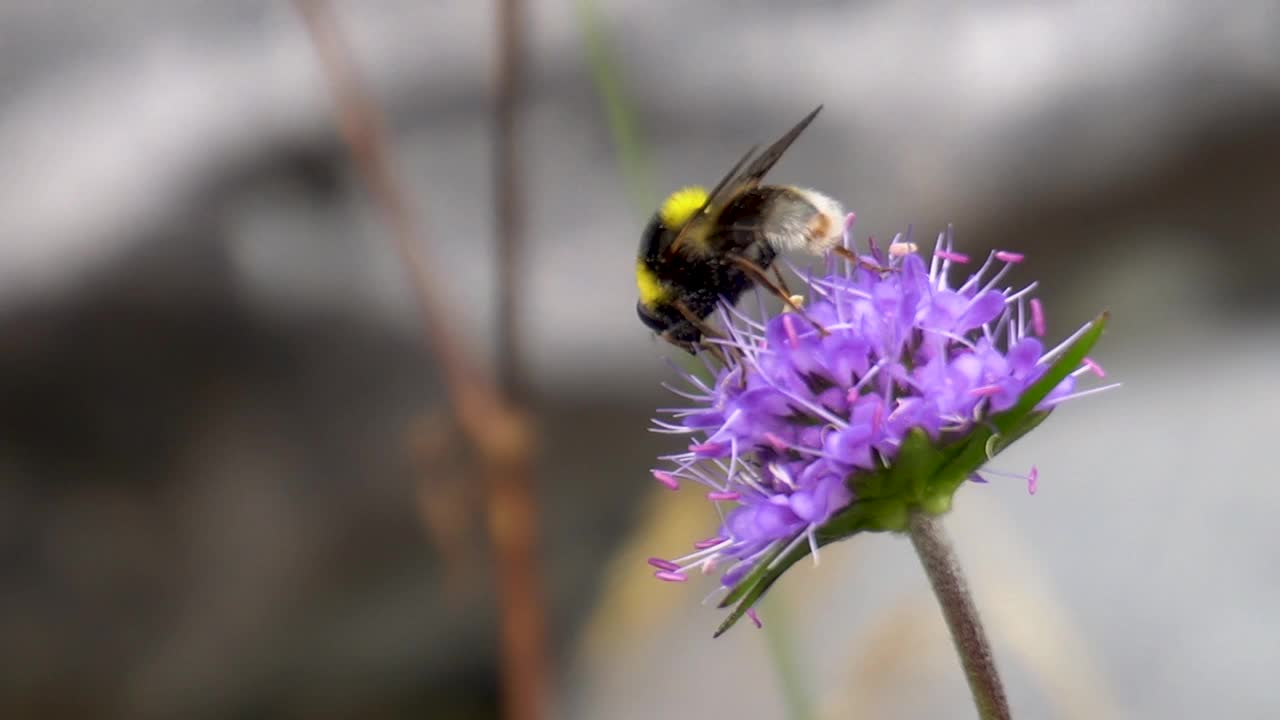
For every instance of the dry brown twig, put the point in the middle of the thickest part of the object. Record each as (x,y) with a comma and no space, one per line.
(447,501)
(491,415)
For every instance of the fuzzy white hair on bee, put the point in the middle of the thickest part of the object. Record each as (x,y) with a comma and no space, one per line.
(805,219)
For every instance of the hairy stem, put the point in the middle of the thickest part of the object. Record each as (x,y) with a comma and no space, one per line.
(943,569)
(488,406)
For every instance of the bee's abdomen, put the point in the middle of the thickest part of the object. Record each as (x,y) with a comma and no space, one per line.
(782,218)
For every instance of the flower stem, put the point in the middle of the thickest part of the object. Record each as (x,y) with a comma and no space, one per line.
(777,633)
(942,567)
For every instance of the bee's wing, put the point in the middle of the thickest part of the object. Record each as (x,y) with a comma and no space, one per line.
(727,181)
(718,195)
(739,178)
(761,165)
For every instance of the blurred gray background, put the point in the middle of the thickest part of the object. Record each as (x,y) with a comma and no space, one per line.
(219,495)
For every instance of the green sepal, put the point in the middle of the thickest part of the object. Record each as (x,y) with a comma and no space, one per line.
(924,476)
(1003,429)
(916,462)
(1068,363)
(762,581)
(746,583)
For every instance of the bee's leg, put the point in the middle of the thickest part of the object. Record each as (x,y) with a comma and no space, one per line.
(852,257)
(716,351)
(782,283)
(705,329)
(761,276)
(691,348)
(702,325)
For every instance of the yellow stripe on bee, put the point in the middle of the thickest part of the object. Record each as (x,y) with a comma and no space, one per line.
(652,291)
(682,205)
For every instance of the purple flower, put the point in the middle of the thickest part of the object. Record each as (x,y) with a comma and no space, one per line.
(799,406)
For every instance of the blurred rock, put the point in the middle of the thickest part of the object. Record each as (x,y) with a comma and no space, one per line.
(211,372)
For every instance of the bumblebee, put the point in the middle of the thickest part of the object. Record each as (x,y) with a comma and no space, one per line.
(701,246)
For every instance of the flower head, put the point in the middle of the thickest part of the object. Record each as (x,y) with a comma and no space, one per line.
(817,424)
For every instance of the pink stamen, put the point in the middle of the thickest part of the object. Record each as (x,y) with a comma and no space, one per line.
(707,447)
(1033,479)
(847,239)
(985,391)
(709,542)
(776,442)
(1095,368)
(709,564)
(789,325)
(717,496)
(955,257)
(668,576)
(1084,393)
(666,479)
(665,565)
(755,618)
(1037,317)
(1009,257)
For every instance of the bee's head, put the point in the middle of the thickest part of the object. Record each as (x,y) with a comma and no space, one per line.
(661,278)
(652,316)
(668,323)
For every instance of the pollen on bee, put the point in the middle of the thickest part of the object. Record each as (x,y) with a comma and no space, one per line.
(682,205)
(902,249)
(820,226)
